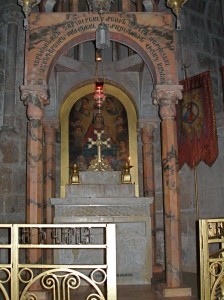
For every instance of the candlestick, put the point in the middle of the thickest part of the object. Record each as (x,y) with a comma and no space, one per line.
(126,175)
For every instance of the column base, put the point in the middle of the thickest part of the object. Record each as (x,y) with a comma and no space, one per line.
(181,291)
(158,275)
(157,269)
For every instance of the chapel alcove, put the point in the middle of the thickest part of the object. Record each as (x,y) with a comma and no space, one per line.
(152,38)
(76,128)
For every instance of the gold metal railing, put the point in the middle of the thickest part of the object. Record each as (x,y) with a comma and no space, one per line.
(25,271)
(212,259)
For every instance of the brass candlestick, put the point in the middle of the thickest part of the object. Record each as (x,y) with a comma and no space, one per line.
(126,175)
(75,175)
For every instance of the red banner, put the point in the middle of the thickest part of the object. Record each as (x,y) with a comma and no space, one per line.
(197,138)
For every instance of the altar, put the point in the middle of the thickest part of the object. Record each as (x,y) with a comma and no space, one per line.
(101,197)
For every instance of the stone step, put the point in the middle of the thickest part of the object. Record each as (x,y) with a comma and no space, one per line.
(100,177)
(100,190)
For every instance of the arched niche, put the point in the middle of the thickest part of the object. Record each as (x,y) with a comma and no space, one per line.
(149,34)
(132,130)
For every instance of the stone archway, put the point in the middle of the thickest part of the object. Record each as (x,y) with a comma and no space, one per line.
(151,36)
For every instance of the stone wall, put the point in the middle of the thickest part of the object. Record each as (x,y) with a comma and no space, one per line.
(201,43)
(12,115)
(200,47)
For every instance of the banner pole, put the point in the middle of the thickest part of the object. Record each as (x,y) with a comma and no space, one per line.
(196,191)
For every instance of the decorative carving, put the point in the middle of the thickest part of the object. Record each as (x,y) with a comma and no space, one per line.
(51,123)
(147,127)
(34,97)
(11,15)
(147,123)
(167,97)
(99,164)
(136,210)
(50,127)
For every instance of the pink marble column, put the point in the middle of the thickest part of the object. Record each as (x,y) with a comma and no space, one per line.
(126,5)
(139,5)
(147,127)
(167,96)
(34,97)
(60,6)
(50,127)
(49,179)
(74,4)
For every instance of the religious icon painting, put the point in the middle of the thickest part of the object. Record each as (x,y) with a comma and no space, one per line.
(196,123)
(111,122)
(192,113)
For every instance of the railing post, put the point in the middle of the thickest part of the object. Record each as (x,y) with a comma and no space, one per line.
(205,284)
(111,262)
(14,262)
(16,243)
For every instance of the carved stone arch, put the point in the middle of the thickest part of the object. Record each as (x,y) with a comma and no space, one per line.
(149,34)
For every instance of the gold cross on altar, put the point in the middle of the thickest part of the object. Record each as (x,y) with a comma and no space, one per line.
(100,164)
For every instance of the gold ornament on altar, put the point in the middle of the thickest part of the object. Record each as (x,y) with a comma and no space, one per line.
(176,6)
(126,174)
(99,163)
(75,175)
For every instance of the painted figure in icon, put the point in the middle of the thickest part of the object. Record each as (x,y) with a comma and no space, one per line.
(111,121)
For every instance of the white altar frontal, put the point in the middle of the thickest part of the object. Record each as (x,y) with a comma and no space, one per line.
(101,197)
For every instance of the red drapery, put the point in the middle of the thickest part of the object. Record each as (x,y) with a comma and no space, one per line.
(197,138)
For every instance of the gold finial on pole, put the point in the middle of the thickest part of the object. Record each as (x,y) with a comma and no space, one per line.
(184,68)
(176,6)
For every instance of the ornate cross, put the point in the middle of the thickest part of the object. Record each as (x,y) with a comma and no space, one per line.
(100,164)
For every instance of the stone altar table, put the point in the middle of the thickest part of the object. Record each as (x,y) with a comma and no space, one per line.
(102,198)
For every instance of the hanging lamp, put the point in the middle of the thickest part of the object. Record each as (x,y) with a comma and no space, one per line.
(102,33)
(99,95)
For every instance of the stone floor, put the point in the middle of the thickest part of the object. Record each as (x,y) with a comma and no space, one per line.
(152,292)
(144,292)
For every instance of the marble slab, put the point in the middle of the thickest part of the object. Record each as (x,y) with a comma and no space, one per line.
(97,177)
(102,198)
(100,190)
(133,231)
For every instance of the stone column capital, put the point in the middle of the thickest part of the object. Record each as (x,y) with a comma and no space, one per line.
(11,15)
(146,123)
(167,97)
(35,98)
(50,126)
(146,128)
(51,123)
